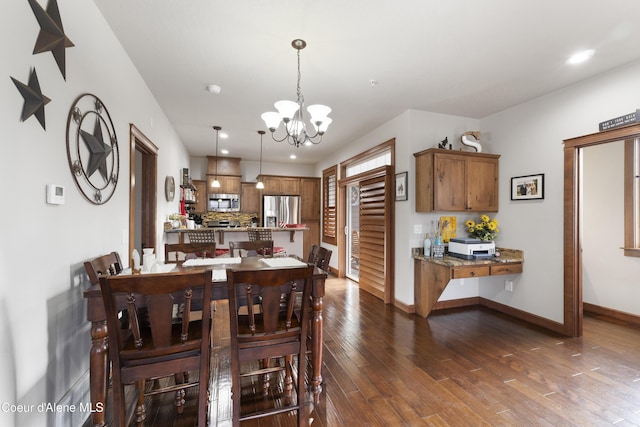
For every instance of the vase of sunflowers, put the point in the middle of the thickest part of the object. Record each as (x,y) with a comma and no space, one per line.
(486,229)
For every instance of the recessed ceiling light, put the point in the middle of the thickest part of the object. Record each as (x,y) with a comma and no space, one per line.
(293,156)
(224,151)
(214,89)
(581,56)
(224,135)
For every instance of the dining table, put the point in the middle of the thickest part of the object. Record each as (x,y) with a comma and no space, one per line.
(99,353)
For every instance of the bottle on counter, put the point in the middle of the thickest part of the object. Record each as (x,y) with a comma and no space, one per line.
(438,248)
(427,245)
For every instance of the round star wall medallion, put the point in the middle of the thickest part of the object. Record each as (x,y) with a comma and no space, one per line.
(92,149)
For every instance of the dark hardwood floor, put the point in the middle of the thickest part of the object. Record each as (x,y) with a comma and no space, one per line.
(459,367)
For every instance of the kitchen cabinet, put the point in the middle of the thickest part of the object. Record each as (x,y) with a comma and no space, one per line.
(228,184)
(250,198)
(310,198)
(456,181)
(223,166)
(200,195)
(281,185)
(310,211)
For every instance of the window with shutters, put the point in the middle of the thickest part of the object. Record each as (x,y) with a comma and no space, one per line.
(329,209)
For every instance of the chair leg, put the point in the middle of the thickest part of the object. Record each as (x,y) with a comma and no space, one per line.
(179,399)
(265,363)
(141,413)
(288,379)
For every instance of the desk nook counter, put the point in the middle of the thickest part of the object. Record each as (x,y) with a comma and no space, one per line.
(431,275)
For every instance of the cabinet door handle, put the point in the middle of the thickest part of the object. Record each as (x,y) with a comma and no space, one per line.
(473,273)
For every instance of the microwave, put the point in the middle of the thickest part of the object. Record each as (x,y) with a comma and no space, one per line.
(223,203)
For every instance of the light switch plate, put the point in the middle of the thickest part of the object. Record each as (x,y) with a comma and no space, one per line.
(417,228)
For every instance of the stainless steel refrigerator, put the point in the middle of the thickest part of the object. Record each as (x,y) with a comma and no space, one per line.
(278,210)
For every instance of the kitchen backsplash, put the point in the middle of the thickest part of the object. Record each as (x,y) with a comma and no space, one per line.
(244,218)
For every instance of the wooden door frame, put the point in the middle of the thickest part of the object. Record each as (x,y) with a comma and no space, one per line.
(138,141)
(572,260)
(388,173)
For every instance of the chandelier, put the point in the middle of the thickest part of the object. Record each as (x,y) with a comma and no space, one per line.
(291,113)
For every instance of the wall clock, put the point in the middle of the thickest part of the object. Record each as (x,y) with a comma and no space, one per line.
(169,188)
(92,149)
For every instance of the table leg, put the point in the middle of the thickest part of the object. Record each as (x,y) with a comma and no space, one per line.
(98,372)
(316,348)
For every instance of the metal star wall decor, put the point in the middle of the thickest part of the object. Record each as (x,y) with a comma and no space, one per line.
(92,147)
(51,37)
(34,100)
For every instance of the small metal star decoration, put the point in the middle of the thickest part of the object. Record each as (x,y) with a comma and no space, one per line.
(52,37)
(34,100)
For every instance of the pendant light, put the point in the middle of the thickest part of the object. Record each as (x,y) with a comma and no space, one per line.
(260,185)
(216,183)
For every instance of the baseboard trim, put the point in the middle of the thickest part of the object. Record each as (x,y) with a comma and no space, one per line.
(456,303)
(409,309)
(611,314)
(524,315)
(505,309)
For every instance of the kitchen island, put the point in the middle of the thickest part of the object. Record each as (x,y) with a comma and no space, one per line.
(291,239)
(431,275)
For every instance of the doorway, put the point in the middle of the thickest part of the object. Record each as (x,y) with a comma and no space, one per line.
(142,190)
(573,268)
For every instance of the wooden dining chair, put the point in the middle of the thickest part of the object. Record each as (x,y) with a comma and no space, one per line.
(180,252)
(320,257)
(273,333)
(104,265)
(251,248)
(162,347)
(202,235)
(254,234)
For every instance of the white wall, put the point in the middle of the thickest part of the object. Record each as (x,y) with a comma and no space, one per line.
(45,334)
(529,139)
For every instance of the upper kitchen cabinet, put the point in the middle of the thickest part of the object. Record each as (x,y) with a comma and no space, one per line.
(227,170)
(223,166)
(310,193)
(281,185)
(250,198)
(201,196)
(456,181)
(228,184)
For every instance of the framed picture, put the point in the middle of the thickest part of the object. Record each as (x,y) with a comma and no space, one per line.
(401,186)
(527,187)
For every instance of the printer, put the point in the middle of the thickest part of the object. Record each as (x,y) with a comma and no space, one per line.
(471,248)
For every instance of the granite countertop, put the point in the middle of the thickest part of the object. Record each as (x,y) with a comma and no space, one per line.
(506,256)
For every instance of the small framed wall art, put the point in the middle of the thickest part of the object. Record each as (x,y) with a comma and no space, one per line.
(401,186)
(528,187)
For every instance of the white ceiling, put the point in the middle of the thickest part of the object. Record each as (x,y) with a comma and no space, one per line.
(462,57)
